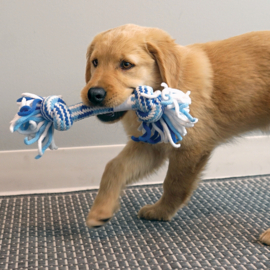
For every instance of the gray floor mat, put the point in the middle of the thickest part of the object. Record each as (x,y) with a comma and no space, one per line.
(217,230)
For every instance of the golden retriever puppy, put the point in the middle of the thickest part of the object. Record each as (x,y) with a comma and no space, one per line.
(229,82)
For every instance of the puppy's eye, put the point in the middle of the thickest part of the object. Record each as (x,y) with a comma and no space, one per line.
(126,65)
(95,62)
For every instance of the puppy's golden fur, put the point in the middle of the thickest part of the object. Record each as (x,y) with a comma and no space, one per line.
(229,82)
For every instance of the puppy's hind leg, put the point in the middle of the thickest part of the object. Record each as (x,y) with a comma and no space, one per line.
(183,172)
(135,161)
(265,237)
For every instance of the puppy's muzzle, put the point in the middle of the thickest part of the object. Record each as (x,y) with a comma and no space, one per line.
(96,95)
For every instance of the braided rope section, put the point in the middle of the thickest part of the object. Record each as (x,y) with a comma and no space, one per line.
(164,116)
(147,105)
(54,109)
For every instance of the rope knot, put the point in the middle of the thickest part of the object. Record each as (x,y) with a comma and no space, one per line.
(55,110)
(148,104)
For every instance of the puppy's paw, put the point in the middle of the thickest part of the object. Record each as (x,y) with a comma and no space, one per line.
(100,215)
(265,237)
(96,221)
(155,212)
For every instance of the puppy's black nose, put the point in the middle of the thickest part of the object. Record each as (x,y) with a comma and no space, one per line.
(96,95)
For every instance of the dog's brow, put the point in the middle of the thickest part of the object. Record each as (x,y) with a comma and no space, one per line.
(132,58)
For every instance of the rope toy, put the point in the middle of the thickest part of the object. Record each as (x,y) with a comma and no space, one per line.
(164,116)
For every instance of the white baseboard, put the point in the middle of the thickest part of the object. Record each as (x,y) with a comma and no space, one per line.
(78,168)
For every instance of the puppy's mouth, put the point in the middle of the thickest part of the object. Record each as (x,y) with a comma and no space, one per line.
(110,117)
(113,116)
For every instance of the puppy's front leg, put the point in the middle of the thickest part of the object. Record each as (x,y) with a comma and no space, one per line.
(184,169)
(134,162)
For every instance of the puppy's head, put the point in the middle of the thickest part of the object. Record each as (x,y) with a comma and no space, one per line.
(123,58)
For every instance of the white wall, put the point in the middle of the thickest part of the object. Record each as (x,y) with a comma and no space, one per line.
(81,167)
(43,44)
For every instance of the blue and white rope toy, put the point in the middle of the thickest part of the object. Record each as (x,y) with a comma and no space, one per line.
(164,116)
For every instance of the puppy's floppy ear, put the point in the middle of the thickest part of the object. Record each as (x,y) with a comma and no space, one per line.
(166,53)
(88,63)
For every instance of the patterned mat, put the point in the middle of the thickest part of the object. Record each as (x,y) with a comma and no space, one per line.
(217,230)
